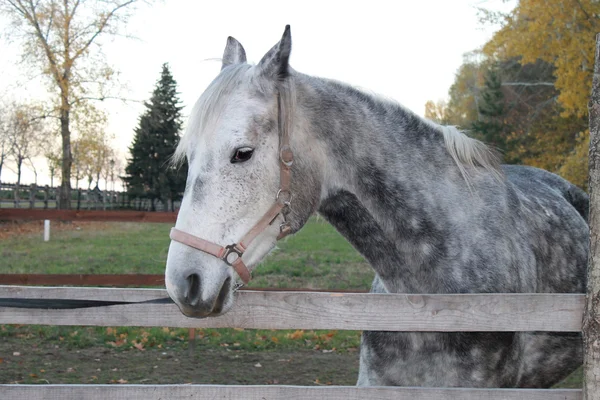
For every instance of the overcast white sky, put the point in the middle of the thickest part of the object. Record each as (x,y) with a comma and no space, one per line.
(406,50)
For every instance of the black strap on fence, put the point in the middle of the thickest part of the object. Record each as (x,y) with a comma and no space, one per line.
(70,304)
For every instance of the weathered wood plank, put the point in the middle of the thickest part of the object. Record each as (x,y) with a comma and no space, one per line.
(299,310)
(15,214)
(175,392)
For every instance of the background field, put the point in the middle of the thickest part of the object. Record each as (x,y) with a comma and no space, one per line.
(316,258)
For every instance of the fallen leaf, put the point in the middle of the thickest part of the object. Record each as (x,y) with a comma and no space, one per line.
(33,375)
(16,354)
(296,335)
(121,381)
(139,346)
(274,339)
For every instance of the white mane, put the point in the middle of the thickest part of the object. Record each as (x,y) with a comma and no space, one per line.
(471,153)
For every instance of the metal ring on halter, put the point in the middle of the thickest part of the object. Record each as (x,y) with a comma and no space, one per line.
(229,250)
(286,156)
(287,202)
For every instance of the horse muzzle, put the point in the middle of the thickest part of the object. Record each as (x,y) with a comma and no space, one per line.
(199,298)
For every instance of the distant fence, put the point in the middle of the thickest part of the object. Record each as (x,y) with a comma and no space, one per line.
(15,214)
(45,197)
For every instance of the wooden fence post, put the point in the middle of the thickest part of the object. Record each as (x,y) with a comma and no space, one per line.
(591,319)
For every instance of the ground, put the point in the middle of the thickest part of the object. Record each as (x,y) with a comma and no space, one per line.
(316,258)
(99,364)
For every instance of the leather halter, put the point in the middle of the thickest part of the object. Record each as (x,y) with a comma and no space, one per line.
(232,254)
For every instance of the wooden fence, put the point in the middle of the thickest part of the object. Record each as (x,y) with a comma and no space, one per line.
(45,197)
(298,310)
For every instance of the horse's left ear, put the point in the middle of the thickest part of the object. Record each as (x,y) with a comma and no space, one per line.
(234,53)
(275,64)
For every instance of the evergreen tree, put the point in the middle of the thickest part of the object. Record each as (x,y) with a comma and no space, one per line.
(149,171)
(491,127)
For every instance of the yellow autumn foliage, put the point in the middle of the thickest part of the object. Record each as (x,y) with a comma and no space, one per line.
(560,32)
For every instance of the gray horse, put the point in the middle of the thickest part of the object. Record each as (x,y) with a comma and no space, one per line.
(429,208)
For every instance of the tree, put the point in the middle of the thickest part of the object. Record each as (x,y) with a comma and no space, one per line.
(4,139)
(591,320)
(149,171)
(24,135)
(531,129)
(491,127)
(57,38)
(437,111)
(53,159)
(559,32)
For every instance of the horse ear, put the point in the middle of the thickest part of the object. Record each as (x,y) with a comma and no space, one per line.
(234,53)
(275,64)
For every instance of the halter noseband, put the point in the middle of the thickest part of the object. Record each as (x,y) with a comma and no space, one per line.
(232,254)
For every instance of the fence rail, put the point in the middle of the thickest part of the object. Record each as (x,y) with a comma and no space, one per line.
(262,392)
(317,310)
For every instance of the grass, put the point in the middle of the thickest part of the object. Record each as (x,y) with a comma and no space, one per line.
(317,257)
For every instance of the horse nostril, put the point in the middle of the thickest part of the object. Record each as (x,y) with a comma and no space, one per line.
(225,289)
(192,294)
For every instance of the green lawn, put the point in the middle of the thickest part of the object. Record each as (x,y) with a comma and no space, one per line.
(317,257)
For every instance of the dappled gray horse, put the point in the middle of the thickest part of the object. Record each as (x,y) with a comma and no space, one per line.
(429,208)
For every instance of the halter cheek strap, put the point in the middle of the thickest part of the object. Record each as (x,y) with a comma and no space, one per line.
(232,254)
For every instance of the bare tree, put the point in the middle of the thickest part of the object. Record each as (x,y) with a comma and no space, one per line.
(24,135)
(4,140)
(53,159)
(57,37)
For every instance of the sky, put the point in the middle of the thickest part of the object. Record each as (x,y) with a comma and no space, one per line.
(405,50)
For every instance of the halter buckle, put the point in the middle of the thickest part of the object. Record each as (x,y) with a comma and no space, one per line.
(232,254)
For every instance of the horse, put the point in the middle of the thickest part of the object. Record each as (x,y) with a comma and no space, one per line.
(431,209)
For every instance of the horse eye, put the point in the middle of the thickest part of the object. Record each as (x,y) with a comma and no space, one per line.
(242,154)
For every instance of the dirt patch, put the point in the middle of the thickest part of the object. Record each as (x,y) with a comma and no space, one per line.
(49,364)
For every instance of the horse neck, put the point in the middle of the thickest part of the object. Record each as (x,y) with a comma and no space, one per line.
(386,178)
